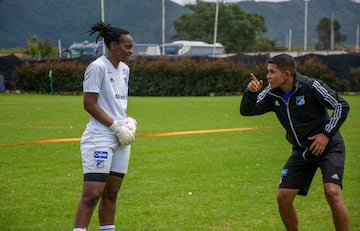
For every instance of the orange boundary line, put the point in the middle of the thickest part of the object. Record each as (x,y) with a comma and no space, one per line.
(200,131)
(42,142)
(143,135)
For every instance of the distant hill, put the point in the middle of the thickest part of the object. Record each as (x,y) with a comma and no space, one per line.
(280,17)
(69,20)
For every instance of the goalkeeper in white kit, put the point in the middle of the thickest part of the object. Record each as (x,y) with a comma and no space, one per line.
(105,143)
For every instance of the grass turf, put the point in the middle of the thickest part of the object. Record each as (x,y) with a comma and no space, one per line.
(232,176)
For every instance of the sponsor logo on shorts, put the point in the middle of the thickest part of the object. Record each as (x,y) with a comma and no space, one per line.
(284,172)
(100,163)
(101,154)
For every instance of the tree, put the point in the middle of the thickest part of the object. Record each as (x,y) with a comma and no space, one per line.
(237,30)
(323,30)
(47,50)
(265,44)
(32,47)
(35,49)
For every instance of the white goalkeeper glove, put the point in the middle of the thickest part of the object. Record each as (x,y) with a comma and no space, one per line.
(122,132)
(131,124)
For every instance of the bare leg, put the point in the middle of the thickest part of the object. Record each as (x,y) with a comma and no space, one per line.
(285,198)
(338,209)
(107,205)
(89,198)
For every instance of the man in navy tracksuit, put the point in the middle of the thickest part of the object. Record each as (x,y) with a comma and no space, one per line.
(301,105)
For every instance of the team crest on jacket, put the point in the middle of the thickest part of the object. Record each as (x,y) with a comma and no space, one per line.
(300,100)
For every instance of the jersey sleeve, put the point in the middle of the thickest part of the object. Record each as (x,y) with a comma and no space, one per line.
(255,103)
(93,77)
(331,100)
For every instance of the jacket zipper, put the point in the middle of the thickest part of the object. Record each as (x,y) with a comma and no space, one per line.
(289,118)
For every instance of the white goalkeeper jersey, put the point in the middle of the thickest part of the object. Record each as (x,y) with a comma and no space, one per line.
(112,86)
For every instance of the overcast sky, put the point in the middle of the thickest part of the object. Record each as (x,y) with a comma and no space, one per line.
(184,2)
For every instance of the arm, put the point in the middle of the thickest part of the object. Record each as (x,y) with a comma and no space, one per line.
(249,105)
(124,135)
(93,80)
(248,102)
(91,106)
(331,100)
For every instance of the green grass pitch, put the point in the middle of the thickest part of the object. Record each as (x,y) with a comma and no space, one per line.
(232,176)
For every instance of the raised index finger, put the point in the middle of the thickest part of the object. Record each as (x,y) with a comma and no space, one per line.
(253,77)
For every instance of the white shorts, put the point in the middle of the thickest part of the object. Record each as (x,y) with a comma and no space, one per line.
(101,153)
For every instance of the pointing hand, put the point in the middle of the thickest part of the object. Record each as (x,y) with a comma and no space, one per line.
(254,85)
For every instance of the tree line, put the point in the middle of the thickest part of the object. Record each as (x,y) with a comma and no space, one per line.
(238,31)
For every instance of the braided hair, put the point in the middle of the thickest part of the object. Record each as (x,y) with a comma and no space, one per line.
(108,32)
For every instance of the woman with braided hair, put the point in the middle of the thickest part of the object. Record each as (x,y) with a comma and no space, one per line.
(105,143)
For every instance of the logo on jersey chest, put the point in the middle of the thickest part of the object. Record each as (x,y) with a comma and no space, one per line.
(122,76)
(300,100)
(117,96)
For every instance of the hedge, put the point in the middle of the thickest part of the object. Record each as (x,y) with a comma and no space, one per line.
(164,76)
(34,77)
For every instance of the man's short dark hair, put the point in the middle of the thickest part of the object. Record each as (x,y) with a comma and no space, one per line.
(284,62)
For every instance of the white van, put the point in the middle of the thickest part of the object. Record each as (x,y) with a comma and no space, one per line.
(193,48)
(146,49)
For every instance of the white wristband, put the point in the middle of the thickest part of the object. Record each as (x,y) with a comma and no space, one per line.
(115,126)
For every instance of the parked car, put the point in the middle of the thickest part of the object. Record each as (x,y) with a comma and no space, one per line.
(96,49)
(83,48)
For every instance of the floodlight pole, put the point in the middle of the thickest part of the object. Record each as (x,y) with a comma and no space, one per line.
(216,27)
(357,37)
(332,37)
(290,38)
(305,24)
(163,27)
(103,20)
(102,11)
(59,47)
